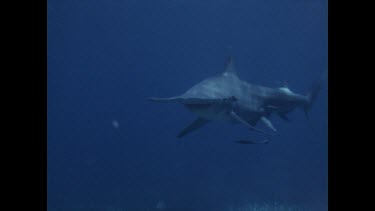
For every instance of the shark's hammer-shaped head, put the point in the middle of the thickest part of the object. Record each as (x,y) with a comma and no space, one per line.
(227,97)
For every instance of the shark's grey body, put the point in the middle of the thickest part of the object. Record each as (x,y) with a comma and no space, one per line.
(227,97)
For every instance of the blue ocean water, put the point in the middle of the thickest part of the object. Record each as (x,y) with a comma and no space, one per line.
(109,148)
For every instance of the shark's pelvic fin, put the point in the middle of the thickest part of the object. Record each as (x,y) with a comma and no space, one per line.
(268,123)
(198,123)
(229,66)
(239,119)
(284,116)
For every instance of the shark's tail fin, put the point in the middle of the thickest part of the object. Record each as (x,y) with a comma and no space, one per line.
(314,91)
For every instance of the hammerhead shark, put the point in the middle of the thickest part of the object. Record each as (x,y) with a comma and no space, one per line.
(227,97)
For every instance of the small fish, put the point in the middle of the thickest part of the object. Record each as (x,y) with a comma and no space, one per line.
(252,142)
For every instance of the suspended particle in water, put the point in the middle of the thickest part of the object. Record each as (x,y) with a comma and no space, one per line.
(115,124)
(160,205)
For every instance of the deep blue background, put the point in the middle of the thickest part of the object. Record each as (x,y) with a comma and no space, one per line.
(106,57)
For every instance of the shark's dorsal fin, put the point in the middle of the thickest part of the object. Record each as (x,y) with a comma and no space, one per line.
(229,66)
(285,90)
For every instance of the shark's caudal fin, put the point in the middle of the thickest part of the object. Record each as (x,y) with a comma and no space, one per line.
(314,91)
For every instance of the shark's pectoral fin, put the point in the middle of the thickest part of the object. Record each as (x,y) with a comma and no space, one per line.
(252,141)
(239,119)
(284,117)
(268,123)
(198,123)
